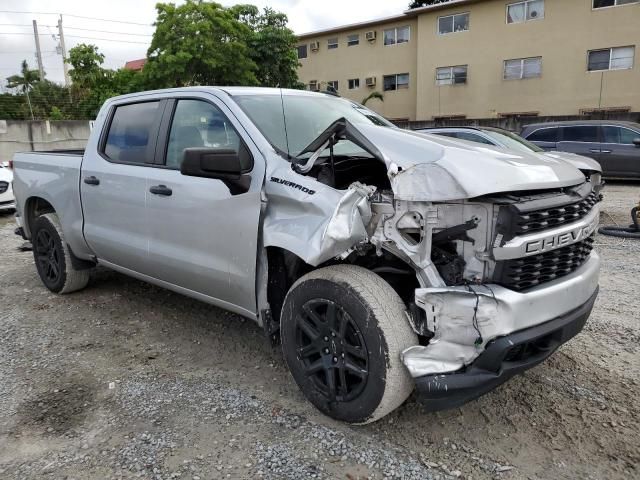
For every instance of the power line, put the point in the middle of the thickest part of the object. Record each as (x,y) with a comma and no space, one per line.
(109,31)
(77,36)
(83,29)
(107,39)
(78,16)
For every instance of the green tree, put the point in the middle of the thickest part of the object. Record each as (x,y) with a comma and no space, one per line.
(424,3)
(93,84)
(87,62)
(272,46)
(199,43)
(24,82)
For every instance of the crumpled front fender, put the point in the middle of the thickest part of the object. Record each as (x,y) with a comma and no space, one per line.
(312,220)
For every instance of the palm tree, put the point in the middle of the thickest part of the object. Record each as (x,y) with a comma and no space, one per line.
(24,82)
(371,96)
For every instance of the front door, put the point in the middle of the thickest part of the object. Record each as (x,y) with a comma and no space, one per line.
(581,140)
(619,156)
(113,185)
(202,236)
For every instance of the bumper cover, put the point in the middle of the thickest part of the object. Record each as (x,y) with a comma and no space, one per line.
(502,358)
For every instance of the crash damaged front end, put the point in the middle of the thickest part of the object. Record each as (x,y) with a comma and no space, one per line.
(500,245)
(507,278)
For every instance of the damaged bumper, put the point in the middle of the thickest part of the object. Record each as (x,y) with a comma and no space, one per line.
(474,326)
(502,358)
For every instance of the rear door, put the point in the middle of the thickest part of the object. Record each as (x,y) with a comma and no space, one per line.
(113,185)
(619,156)
(545,137)
(203,237)
(581,139)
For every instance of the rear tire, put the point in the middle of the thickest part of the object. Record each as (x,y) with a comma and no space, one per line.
(343,329)
(53,257)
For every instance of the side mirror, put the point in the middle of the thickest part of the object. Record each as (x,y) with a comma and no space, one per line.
(636,142)
(211,163)
(220,163)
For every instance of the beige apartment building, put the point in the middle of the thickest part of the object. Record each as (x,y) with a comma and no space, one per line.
(484,59)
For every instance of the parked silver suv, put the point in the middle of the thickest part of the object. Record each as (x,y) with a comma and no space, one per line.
(614,144)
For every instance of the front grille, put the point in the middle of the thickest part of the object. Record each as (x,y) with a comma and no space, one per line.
(4,186)
(547,218)
(522,273)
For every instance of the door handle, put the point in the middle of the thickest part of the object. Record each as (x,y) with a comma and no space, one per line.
(595,150)
(161,190)
(91,180)
(606,151)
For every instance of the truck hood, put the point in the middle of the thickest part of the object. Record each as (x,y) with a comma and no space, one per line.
(579,161)
(435,168)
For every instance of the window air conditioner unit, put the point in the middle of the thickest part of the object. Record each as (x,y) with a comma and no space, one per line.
(370,35)
(315,46)
(370,81)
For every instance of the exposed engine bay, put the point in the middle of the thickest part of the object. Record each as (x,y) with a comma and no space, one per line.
(470,267)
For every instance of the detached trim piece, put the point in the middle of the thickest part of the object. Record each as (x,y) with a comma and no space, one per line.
(502,359)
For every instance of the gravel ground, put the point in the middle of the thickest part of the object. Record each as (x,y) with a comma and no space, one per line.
(126,380)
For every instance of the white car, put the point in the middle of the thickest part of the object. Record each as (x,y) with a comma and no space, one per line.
(7,200)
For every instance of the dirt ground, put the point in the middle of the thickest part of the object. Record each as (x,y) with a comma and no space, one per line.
(126,380)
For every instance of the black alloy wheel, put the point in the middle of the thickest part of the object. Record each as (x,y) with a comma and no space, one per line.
(48,257)
(332,349)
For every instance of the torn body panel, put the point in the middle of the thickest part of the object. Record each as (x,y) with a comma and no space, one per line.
(313,220)
(496,311)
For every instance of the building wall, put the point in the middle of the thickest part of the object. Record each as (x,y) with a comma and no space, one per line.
(26,136)
(562,38)
(368,59)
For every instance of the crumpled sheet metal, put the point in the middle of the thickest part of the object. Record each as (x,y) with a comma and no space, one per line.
(450,313)
(426,182)
(501,311)
(319,226)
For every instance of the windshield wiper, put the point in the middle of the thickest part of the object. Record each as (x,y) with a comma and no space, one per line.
(341,129)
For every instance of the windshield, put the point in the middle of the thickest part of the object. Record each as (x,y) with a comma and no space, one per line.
(512,141)
(305,118)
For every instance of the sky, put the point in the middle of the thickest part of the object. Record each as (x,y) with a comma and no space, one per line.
(120,42)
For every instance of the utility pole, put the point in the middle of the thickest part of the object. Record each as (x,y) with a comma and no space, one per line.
(64,53)
(38,52)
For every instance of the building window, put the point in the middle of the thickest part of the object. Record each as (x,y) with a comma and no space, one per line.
(353,40)
(611,3)
(332,43)
(394,36)
(398,81)
(302,51)
(453,23)
(520,68)
(332,84)
(451,75)
(525,11)
(620,58)
(354,83)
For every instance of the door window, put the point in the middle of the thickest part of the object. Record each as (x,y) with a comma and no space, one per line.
(199,124)
(130,131)
(544,135)
(583,133)
(619,135)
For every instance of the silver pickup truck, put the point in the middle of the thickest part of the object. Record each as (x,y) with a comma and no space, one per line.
(382,260)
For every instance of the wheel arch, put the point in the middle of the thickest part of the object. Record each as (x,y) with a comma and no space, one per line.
(34,207)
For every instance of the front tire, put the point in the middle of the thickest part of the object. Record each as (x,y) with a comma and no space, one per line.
(343,329)
(53,257)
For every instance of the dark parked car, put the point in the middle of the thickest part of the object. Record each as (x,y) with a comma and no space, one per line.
(615,145)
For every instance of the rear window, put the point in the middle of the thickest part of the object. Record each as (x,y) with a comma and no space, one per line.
(130,131)
(584,133)
(544,135)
